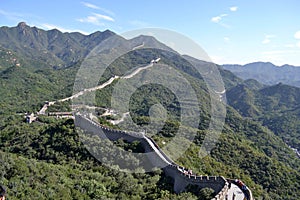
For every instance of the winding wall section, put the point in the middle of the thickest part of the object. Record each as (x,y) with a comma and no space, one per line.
(158,158)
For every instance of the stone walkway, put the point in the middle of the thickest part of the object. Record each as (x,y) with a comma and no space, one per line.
(235,191)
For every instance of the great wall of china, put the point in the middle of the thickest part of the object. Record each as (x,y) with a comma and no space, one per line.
(181,180)
(157,157)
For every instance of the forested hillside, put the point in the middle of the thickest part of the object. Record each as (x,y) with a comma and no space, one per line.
(47,160)
(276,107)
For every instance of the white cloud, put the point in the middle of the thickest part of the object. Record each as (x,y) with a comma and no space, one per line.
(12,15)
(297,35)
(104,17)
(93,6)
(51,26)
(217,19)
(226,39)
(298,44)
(267,39)
(96,19)
(91,19)
(111,13)
(233,8)
(89,5)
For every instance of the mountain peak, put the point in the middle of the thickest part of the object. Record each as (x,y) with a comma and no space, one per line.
(22,25)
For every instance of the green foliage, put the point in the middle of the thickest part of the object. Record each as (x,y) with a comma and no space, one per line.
(26,178)
(49,161)
(60,107)
(206,193)
(276,107)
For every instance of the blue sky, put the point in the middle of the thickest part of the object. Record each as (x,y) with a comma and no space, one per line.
(229,31)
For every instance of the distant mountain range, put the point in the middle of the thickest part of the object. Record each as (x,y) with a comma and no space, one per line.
(267,73)
(58,49)
(53,47)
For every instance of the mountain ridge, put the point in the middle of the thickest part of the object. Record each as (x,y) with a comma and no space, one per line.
(276,107)
(267,73)
(53,46)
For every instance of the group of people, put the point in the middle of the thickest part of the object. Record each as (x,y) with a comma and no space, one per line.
(242,186)
(188,172)
(185,171)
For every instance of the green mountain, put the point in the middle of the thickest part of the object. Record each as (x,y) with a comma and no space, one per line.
(267,73)
(46,159)
(54,48)
(276,107)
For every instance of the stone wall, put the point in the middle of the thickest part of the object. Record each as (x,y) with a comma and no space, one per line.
(157,158)
(182,180)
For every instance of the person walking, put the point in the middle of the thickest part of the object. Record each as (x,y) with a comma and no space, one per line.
(233,196)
